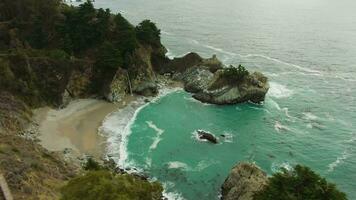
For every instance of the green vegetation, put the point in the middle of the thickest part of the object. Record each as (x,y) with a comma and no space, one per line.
(91,164)
(103,185)
(148,33)
(43,32)
(299,184)
(235,75)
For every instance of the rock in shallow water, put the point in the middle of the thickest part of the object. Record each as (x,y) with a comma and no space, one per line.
(203,135)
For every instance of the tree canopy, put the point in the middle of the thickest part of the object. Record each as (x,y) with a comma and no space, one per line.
(299,184)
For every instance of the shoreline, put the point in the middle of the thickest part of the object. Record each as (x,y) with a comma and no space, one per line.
(75,127)
(78,127)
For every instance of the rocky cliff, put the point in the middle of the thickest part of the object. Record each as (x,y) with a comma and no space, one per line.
(244,180)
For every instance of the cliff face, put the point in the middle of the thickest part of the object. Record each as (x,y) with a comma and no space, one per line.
(244,180)
(139,78)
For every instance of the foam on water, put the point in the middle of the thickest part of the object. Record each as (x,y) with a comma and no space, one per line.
(279,91)
(157,138)
(277,166)
(117,127)
(177,165)
(339,160)
(314,72)
(171,195)
(279,127)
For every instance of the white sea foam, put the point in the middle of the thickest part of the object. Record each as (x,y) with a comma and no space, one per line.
(177,165)
(166,33)
(277,166)
(157,138)
(228,137)
(279,127)
(314,72)
(279,91)
(339,160)
(170,54)
(309,116)
(117,127)
(171,195)
(219,50)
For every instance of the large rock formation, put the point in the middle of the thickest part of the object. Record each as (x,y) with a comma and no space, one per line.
(244,180)
(217,87)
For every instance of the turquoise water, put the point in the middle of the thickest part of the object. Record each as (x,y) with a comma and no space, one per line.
(307,49)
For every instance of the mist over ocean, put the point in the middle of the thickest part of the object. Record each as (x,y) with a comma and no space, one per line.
(307,48)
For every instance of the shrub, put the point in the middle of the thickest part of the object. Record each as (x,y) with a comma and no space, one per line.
(235,75)
(91,164)
(103,185)
(299,184)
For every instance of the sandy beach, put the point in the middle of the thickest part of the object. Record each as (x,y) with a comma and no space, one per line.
(76,125)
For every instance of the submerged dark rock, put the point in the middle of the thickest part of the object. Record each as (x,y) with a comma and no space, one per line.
(203,135)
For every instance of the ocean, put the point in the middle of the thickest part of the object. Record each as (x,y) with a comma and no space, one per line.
(307,48)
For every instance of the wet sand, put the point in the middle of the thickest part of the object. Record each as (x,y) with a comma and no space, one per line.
(76,126)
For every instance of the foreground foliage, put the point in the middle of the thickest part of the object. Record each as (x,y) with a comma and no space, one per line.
(299,184)
(101,184)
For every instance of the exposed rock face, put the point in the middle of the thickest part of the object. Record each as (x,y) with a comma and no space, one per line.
(244,180)
(214,88)
(119,86)
(253,88)
(196,79)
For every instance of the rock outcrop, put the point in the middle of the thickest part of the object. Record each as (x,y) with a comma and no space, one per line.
(215,87)
(244,180)
(203,135)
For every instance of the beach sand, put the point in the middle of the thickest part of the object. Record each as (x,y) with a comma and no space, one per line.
(76,126)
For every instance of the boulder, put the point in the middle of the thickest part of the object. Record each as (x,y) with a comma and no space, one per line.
(203,135)
(146,88)
(244,180)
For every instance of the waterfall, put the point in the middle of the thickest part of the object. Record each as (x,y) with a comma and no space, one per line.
(128,79)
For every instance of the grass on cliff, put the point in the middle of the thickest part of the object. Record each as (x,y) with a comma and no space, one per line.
(299,184)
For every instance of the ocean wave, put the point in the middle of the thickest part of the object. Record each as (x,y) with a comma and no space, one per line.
(166,33)
(157,138)
(177,165)
(117,127)
(277,166)
(348,152)
(219,50)
(339,160)
(228,137)
(170,54)
(279,91)
(279,127)
(315,72)
(171,195)
(309,116)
